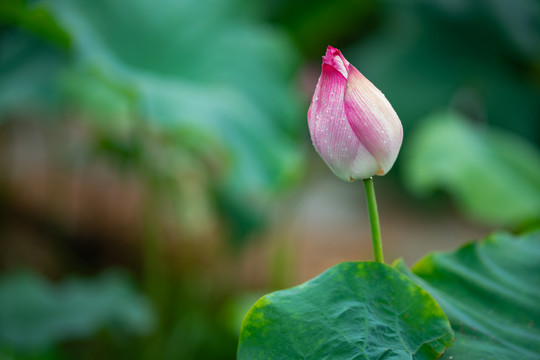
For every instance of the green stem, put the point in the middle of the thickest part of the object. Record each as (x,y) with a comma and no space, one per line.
(374,220)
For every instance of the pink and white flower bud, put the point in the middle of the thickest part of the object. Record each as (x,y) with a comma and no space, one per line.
(352,125)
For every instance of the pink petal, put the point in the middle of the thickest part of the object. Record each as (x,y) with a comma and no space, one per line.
(332,136)
(373,120)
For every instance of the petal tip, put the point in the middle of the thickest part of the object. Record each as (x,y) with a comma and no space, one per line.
(335,59)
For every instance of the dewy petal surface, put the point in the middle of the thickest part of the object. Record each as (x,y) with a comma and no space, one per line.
(373,120)
(331,133)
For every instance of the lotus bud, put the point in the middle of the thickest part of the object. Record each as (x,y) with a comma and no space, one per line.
(352,125)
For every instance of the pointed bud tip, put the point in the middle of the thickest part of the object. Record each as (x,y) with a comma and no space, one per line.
(335,59)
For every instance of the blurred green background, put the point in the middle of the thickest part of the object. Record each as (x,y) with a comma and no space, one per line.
(157,175)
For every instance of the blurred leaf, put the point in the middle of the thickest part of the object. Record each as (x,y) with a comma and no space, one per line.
(36,314)
(493,176)
(34,18)
(197,77)
(518,24)
(48,354)
(173,79)
(195,67)
(353,310)
(198,326)
(314,24)
(28,71)
(490,291)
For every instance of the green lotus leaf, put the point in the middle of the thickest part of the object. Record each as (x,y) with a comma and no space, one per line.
(355,310)
(490,291)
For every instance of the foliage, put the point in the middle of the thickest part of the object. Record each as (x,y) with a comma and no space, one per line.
(198,99)
(490,291)
(34,313)
(493,175)
(174,78)
(360,310)
(479,59)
